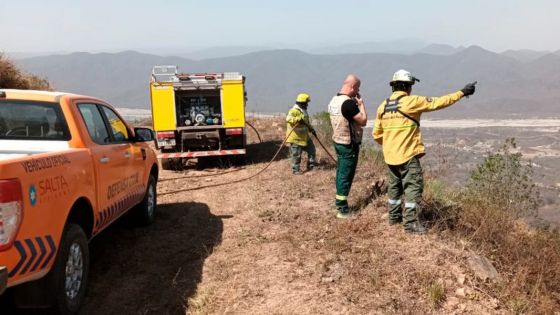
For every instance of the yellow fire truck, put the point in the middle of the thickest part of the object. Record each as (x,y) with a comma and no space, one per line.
(197,115)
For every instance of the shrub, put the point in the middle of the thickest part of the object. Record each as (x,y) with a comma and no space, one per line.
(13,78)
(505,181)
(487,212)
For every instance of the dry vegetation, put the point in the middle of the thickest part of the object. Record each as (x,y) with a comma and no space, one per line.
(489,215)
(13,78)
(365,266)
(272,245)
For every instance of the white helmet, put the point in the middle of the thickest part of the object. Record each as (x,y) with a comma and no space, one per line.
(403,76)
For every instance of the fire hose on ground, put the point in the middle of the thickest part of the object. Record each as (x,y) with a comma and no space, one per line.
(249,177)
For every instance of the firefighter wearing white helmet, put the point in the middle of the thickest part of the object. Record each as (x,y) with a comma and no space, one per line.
(397,129)
(297,131)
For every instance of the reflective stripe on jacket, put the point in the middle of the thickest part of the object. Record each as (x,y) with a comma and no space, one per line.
(343,130)
(300,135)
(399,135)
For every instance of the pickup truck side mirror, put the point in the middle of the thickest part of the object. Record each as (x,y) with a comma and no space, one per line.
(143,135)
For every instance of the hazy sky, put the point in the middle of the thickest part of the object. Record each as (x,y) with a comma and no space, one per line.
(186,25)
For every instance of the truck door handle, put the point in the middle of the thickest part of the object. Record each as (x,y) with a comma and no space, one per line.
(127,155)
(104,160)
(143,154)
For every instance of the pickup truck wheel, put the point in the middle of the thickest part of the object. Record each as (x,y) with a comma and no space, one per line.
(70,270)
(146,210)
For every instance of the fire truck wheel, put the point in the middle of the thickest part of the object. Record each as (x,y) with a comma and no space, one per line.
(70,271)
(145,211)
(238,160)
(166,164)
(174,164)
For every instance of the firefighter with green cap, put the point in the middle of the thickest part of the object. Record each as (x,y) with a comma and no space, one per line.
(348,117)
(397,129)
(297,131)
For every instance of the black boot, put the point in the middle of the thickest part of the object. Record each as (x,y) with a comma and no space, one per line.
(393,221)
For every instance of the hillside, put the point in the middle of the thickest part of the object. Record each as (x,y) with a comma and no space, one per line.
(507,87)
(272,245)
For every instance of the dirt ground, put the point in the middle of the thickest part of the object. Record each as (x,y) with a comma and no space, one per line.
(272,245)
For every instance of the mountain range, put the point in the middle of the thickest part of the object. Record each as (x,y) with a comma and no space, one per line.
(511,84)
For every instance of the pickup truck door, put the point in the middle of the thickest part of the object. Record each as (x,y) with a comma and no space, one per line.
(134,189)
(111,153)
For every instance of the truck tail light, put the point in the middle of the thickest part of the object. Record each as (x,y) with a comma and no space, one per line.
(11,211)
(165,134)
(234,131)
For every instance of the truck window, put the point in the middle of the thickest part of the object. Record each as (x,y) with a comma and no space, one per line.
(25,120)
(117,126)
(94,123)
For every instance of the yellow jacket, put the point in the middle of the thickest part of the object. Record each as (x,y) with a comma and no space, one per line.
(300,135)
(399,135)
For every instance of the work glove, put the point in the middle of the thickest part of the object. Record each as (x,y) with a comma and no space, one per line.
(469,89)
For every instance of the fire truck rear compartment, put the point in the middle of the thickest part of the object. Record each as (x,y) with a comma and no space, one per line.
(198,108)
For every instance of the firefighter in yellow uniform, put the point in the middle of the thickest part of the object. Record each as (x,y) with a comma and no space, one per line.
(299,139)
(397,129)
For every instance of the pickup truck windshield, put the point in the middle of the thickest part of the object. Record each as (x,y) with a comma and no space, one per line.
(24,120)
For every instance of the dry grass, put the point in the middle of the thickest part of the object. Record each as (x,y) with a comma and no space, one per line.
(527,257)
(436,294)
(198,304)
(272,245)
(13,78)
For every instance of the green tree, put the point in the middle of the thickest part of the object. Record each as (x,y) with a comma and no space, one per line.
(503,181)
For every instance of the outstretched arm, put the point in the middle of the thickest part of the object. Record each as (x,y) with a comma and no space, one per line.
(427,104)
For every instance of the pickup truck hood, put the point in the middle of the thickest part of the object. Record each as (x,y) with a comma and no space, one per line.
(10,149)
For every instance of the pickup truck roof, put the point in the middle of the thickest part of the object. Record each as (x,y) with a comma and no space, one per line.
(33,95)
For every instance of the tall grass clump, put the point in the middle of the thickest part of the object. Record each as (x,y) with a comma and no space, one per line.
(490,211)
(371,157)
(11,77)
(322,124)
